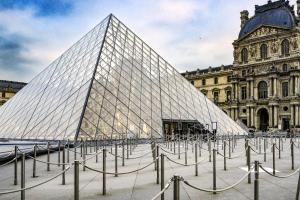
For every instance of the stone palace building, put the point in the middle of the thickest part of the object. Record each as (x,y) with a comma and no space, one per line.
(8,89)
(261,87)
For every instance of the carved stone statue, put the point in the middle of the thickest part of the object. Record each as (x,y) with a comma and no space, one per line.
(274,46)
(236,54)
(294,43)
(253,51)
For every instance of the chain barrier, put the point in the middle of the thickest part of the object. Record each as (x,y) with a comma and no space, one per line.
(164,189)
(219,190)
(6,156)
(121,173)
(286,176)
(8,162)
(34,186)
(178,163)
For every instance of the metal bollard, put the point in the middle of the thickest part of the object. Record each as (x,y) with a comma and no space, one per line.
(185,157)
(23,177)
(68,152)
(123,154)
(104,173)
(209,150)
(273,149)
(81,147)
(157,164)
(127,149)
(16,166)
(63,177)
(162,175)
(229,148)
(292,154)
(116,160)
(224,152)
(96,151)
(34,162)
(76,180)
(196,160)
(298,189)
(179,148)
(256,181)
(214,171)
(265,150)
(176,187)
(58,157)
(75,152)
(249,162)
(279,149)
(83,155)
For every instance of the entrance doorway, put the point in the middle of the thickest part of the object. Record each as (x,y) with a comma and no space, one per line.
(263,117)
(285,124)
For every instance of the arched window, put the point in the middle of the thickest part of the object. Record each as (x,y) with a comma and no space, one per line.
(262,90)
(244,55)
(263,51)
(285,47)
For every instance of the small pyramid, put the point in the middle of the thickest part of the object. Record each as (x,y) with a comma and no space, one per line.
(109,84)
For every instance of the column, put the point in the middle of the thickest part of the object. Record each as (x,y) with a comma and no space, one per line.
(297,85)
(256,122)
(252,89)
(270,116)
(275,116)
(248,116)
(234,92)
(252,116)
(275,87)
(292,115)
(270,88)
(296,115)
(248,90)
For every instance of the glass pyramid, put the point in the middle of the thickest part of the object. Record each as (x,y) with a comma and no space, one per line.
(109,84)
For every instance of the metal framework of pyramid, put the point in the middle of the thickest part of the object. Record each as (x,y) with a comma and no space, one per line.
(110,84)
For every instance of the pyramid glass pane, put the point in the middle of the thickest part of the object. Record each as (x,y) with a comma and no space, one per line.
(111,85)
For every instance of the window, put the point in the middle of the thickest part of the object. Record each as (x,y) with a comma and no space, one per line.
(243,73)
(192,82)
(244,55)
(228,95)
(216,97)
(244,92)
(285,47)
(204,92)
(203,82)
(262,90)
(216,80)
(285,89)
(284,68)
(263,51)
(228,79)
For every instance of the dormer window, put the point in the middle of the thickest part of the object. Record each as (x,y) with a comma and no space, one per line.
(244,55)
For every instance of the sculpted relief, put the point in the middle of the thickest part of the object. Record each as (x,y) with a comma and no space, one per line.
(294,42)
(274,46)
(253,50)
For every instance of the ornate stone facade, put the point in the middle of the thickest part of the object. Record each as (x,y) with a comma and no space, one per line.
(266,69)
(8,89)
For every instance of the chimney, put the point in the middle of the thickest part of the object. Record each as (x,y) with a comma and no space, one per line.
(245,16)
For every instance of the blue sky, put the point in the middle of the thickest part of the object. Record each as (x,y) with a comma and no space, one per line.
(190,34)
